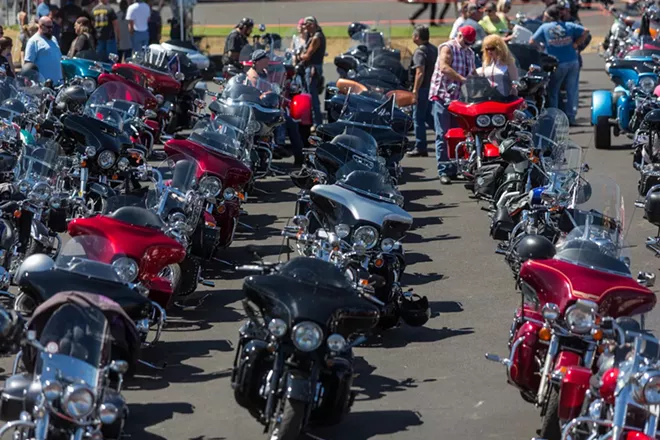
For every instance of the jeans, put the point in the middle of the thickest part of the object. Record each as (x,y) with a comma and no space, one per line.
(105,48)
(567,75)
(423,116)
(313,89)
(139,40)
(443,122)
(290,128)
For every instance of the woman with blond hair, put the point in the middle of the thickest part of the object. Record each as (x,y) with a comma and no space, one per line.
(498,65)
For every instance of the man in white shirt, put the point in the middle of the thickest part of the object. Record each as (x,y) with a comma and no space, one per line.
(138,24)
(43,51)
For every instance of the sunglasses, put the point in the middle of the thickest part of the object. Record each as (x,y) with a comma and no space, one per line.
(489,49)
(47,27)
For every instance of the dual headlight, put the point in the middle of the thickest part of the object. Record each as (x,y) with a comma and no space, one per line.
(307,336)
(78,401)
(486,120)
(106,159)
(210,186)
(581,317)
(88,85)
(126,268)
(647,84)
(366,237)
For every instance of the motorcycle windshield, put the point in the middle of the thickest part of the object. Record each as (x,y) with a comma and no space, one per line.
(85,255)
(358,141)
(219,135)
(550,131)
(479,89)
(173,199)
(8,88)
(157,59)
(365,121)
(260,91)
(30,83)
(39,161)
(370,179)
(370,38)
(74,335)
(597,239)
(114,103)
(277,55)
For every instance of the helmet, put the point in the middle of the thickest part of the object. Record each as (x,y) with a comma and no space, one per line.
(245,22)
(355,28)
(535,247)
(414,309)
(11,109)
(73,97)
(34,263)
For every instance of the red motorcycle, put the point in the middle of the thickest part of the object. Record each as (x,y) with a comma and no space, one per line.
(480,110)
(139,251)
(222,170)
(554,336)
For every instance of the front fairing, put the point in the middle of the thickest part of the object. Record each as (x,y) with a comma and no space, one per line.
(79,67)
(88,131)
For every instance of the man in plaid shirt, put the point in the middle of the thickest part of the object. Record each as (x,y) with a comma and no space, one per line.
(454,64)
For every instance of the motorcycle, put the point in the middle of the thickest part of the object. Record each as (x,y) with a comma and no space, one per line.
(87,66)
(294,361)
(77,349)
(564,290)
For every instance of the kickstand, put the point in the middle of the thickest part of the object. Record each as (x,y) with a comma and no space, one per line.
(185,307)
(245,225)
(150,365)
(263,191)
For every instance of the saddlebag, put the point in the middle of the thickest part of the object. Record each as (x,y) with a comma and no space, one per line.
(13,397)
(502,225)
(204,241)
(647,180)
(487,180)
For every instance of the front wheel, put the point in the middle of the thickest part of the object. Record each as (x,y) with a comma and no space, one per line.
(603,133)
(550,429)
(290,422)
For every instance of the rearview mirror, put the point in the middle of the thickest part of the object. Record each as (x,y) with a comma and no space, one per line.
(113,57)
(534,68)
(314,140)
(646,279)
(179,76)
(301,221)
(585,168)
(519,115)
(119,367)
(31,335)
(262,28)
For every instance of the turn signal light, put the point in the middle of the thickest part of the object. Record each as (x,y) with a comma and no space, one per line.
(545,334)
(115,177)
(379,262)
(241,196)
(17,213)
(597,334)
(221,209)
(83,163)
(364,282)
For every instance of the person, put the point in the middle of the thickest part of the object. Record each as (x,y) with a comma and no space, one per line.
(474,14)
(503,8)
(57,28)
(6,62)
(312,58)
(498,65)
(23,31)
(83,41)
(492,23)
(237,40)
(562,39)
(107,29)
(124,44)
(43,51)
(424,6)
(43,9)
(454,64)
(460,20)
(138,24)
(300,39)
(31,29)
(68,14)
(422,64)
(259,67)
(155,26)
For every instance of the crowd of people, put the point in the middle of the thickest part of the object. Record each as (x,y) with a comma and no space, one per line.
(80,26)
(440,72)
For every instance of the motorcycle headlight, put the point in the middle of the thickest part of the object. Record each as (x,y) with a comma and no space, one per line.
(647,84)
(647,391)
(253,127)
(277,327)
(176,217)
(55,203)
(88,84)
(498,120)
(307,336)
(366,236)
(336,342)
(123,164)
(24,186)
(126,268)
(52,390)
(78,401)
(483,120)
(41,192)
(387,245)
(108,413)
(342,230)
(581,317)
(106,159)
(210,186)
(229,194)
(90,151)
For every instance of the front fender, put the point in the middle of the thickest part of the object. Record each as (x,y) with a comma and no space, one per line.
(297,386)
(574,386)
(601,105)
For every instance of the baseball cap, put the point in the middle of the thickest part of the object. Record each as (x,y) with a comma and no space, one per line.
(469,34)
(301,22)
(258,54)
(311,19)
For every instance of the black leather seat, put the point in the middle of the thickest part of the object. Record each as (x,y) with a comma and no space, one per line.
(137,216)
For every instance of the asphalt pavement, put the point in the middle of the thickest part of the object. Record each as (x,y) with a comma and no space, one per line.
(414,384)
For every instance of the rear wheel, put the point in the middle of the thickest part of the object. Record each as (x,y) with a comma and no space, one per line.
(290,422)
(550,429)
(603,133)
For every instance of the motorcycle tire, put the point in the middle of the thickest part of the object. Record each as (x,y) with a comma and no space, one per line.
(550,427)
(290,424)
(603,133)
(175,277)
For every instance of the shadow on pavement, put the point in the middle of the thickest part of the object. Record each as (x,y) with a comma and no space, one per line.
(143,416)
(365,425)
(276,191)
(259,227)
(416,238)
(420,279)
(404,335)
(440,307)
(416,174)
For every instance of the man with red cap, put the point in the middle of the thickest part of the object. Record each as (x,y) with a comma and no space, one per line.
(454,64)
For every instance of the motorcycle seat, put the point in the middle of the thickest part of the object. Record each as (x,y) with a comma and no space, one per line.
(344,85)
(137,216)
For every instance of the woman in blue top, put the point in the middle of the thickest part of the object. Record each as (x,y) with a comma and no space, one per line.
(562,40)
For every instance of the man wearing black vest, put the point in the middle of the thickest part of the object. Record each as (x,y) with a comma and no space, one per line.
(312,58)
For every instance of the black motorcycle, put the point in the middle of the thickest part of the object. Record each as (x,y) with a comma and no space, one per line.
(294,362)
